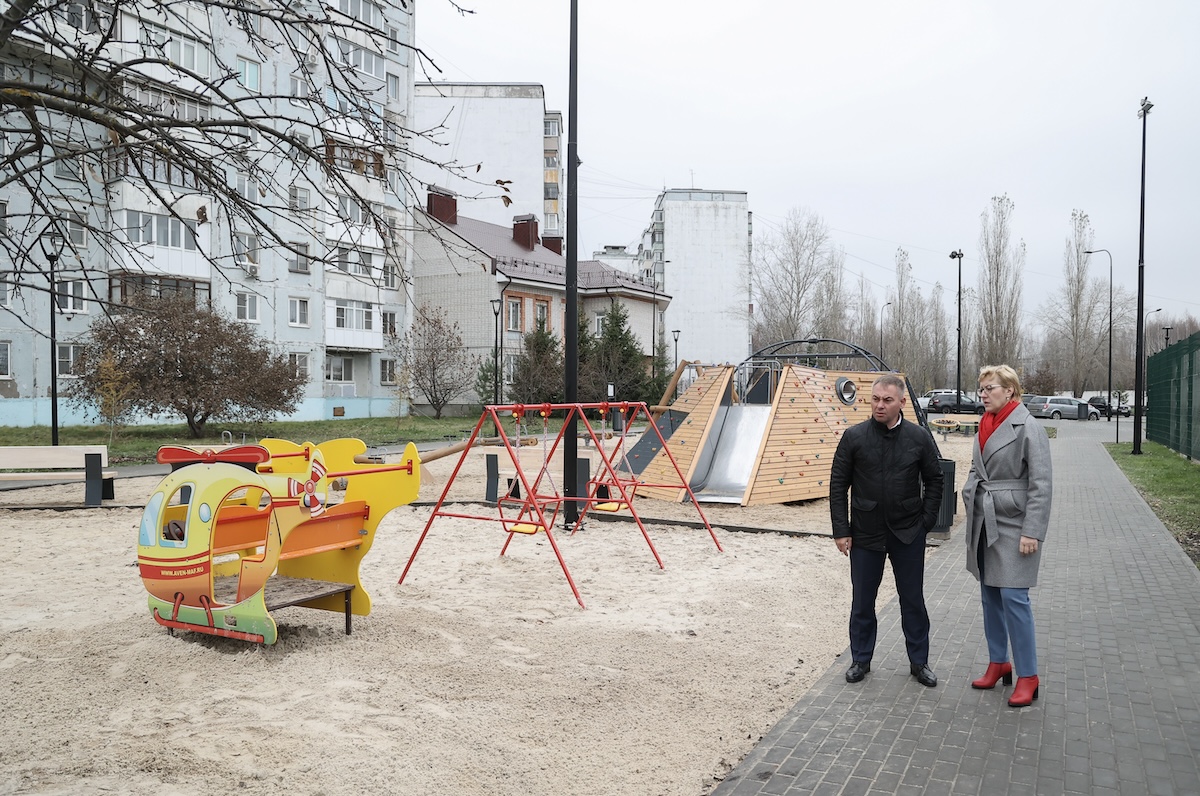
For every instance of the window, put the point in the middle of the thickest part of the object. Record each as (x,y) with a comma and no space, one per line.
(159,230)
(599,323)
(352,262)
(550,190)
(551,221)
(184,51)
(298,89)
(390,280)
(69,165)
(349,210)
(298,262)
(70,295)
(298,200)
(356,159)
(297,312)
(3,216)
(247,307)
(245,248)
(360,58)
(3,290)
(552,161)
(247,188)
(509,367)
(363,10)
(352,314)
(551,126)
(248,74)
(68,357)
(124,287)
(393,86)
(299,364)
(5,369)
(365,264)
(514,315)
(541,311)
(393,39)
(339,368)
(167,103)
(388,319)
(387,371)
(90,17)
(146,163)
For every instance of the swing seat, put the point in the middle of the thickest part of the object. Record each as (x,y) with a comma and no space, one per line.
(525,527)
(617,506)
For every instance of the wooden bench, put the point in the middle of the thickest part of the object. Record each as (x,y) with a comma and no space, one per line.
(282,592)
(85,463)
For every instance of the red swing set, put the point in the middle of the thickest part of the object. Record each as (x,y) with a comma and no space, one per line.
(612,489)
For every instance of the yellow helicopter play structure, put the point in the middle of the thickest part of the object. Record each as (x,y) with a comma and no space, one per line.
(232,534)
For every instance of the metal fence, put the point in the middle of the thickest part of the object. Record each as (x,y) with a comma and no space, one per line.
(1173,403)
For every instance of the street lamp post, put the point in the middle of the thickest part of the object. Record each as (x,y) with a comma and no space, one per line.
(1167,335)
(675,334)
(881,309)
(1139,367)
(496,353)
(1109,397)
(958,255)
(52,246)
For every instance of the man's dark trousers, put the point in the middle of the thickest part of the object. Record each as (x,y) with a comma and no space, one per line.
(866,573)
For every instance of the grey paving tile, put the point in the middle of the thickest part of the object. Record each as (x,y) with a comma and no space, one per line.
(1118,631)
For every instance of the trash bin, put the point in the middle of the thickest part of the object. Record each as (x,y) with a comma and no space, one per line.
(1082,411)
(949,498)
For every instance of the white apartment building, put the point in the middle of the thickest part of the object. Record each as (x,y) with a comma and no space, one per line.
(697,249)
(488,142)
(323,274)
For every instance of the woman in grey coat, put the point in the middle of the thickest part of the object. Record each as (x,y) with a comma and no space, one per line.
(1007,499)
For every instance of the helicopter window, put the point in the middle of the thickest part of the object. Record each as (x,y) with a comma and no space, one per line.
(175,517)
(150,520)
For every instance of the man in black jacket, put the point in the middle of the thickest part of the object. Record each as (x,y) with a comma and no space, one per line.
(891,466)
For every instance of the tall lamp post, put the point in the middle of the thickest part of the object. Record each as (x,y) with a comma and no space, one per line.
(1167,335)
(1109,397)
(496,353)
(881,309)
(675,334)
(958,255)
(1139,366)
(52,246)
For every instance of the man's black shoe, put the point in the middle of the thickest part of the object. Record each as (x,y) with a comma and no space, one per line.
(923,673)
(857,672)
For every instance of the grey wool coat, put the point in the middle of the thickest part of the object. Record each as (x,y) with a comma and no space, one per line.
(1008,492)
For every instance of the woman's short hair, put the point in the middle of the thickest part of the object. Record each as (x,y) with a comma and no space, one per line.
(1004,375)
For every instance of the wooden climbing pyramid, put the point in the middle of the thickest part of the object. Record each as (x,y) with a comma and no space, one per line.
(700,401)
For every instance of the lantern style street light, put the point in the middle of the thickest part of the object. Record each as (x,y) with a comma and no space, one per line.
(52,247)
(496,353)
(675,334)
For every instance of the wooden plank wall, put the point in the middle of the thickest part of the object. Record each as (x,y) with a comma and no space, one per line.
(700,401)
(807,421)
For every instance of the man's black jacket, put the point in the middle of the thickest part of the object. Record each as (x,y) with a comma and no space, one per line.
(884,470)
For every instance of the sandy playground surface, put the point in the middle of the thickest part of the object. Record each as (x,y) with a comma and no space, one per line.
(479,675)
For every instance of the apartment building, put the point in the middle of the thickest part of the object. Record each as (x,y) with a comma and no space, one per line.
(287,209)
(697,248)
(495,147)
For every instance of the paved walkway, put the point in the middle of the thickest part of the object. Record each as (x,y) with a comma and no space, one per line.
(1118,631)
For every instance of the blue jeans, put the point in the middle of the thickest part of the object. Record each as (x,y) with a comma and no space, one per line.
(1008,619)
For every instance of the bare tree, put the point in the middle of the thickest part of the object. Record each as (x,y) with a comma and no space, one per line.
(792,277)
(1075,317)
(434,359)
(999,302)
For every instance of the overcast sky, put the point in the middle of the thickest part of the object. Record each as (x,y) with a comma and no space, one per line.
(896,122)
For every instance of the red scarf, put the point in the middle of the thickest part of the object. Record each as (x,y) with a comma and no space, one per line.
(992,420)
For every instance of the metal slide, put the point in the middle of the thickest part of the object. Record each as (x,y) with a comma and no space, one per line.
(727,461)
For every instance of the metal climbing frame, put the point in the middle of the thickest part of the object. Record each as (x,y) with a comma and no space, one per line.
(612,489)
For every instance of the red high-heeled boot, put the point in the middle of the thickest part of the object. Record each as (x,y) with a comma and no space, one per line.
(994,672)
(1025,692)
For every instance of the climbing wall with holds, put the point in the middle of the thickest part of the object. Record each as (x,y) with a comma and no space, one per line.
(807,419)
(700,401)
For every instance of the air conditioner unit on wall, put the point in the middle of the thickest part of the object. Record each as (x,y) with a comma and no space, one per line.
(252,271)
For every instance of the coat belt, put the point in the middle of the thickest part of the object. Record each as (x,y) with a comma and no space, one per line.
(989,505)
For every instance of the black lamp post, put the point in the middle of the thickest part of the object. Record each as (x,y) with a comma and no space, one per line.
(1139,366)
(881,309)
(675,334)
(1167,335)
(52,246)
(496,353)
(1109,397)
(958,255)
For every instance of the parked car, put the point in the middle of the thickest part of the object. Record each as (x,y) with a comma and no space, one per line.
(943,401)
(1105,407)
(1057,407)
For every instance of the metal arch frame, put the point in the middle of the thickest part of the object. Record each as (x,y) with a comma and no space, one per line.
(773,352)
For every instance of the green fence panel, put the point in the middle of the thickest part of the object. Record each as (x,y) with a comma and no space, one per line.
(1172,403)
